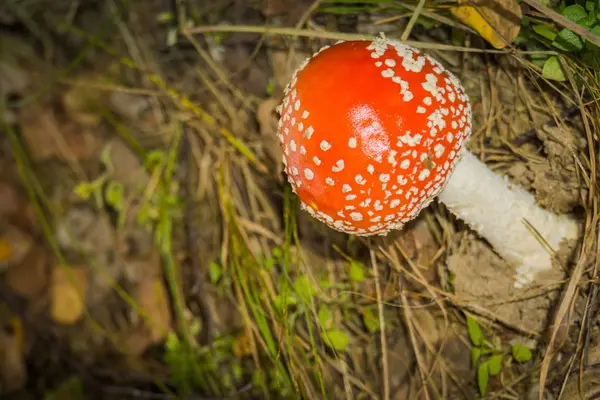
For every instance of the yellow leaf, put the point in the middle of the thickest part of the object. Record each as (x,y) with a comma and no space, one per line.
(5,251)
(67,297)
(497,21)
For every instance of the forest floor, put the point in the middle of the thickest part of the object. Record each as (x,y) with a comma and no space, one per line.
(151,248)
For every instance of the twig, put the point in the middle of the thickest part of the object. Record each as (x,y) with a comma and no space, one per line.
(384,356)
(275,30)
(198,290)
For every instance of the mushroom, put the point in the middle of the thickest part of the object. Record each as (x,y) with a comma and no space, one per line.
(373,131)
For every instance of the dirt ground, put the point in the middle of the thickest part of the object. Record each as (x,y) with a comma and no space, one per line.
(150,246)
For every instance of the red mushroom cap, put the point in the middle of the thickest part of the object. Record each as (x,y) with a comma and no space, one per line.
(370,132)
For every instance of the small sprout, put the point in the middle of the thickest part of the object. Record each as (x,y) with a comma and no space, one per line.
(521,353)
(154,158)
(336,339)
(475,333)
(114,195)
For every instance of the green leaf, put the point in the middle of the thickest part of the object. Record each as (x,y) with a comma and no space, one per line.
(568,40)
(475,333)
(590,5)
(371,320)
(495,364)
(325,317)
(574,13)
(215,271)
(483,377)
(269,263)
(336,339)
(553,70)
(304,288)
(277,252)
(475,356)
(114,195)
(521,353)
(591,57)
(545,30)
(283,301)
(357,271)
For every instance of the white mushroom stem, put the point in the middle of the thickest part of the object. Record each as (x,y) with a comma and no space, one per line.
(497,210)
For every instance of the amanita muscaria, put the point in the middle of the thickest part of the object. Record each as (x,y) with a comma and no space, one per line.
(373,131)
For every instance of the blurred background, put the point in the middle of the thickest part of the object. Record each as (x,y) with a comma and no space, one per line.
(151,248)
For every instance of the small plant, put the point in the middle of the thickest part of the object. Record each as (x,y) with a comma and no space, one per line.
(488,357)
(539,35)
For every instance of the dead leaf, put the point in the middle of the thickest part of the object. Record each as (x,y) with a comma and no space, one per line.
(83,102)
(153,299)
(497,21)
(30,277)
(13,371)
(16,59)
(151,296)
(128,168)
(128,105)
(9,199)
(67,299)
(242,346)
(47,137)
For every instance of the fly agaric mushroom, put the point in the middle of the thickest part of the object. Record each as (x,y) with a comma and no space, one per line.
(372,131)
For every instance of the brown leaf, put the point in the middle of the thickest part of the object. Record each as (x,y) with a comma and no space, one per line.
(31,276)
(9,200)
(128,168)
(47,137)
(128,105)
(497,21)
(83,102)
(67,299)
(13,372)
(152,297)
(14,245)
